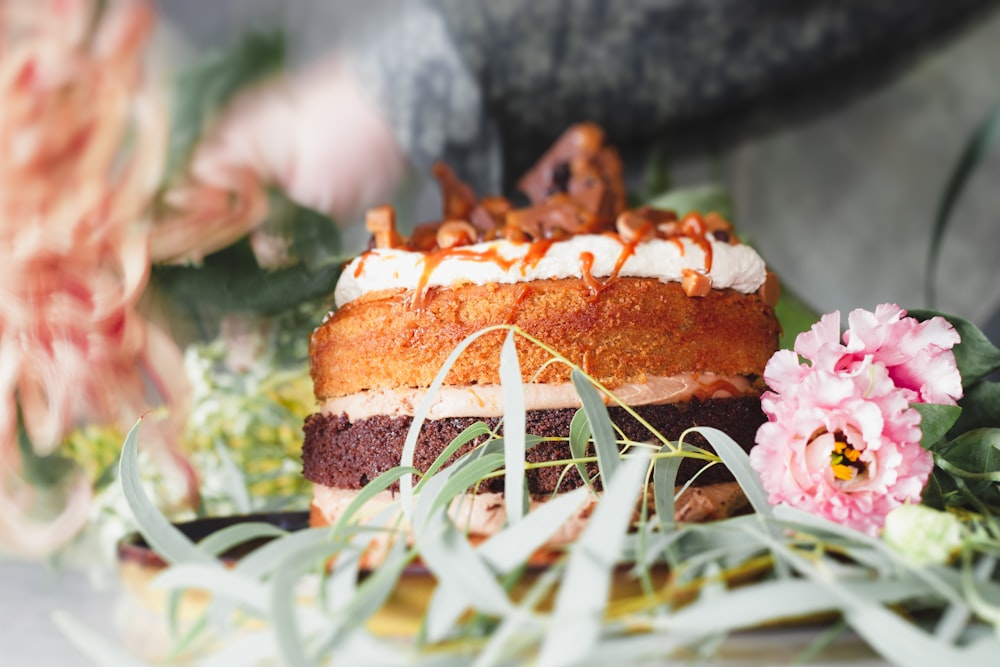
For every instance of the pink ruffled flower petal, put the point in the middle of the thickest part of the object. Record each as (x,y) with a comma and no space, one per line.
(842,444)
(918,354)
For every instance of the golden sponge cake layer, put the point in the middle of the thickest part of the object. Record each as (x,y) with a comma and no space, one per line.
(618,332)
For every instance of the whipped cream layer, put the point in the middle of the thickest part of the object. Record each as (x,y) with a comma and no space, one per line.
(737,267)
(487,400)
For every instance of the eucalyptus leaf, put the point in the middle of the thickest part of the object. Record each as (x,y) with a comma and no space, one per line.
(449,555)
(583,593)
(579,440)
(219,581)
(664,483)
(226,538)
(513,546)
(464,477)
(420,414)
(505,551)
(739,465)
(513,430)
(370,596)
(608,458)
(163,537)
(284,612)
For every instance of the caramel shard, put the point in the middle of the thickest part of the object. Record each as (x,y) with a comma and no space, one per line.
(633,227)
(457,196)
(696,283)
(555,218)
(381,222)
(454,233)
(580,165)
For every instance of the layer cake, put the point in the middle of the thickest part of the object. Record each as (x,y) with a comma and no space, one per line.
(672,313)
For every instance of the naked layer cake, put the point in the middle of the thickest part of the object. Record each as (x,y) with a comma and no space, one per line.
(672,313)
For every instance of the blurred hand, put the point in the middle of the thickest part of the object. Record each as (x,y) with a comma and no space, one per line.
(313,134)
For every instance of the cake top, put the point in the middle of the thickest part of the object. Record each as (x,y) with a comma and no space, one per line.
(577,224)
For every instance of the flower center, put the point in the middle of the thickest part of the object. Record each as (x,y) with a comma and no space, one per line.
(844,459)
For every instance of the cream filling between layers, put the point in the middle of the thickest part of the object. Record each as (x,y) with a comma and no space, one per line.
(487,400)
(737,267)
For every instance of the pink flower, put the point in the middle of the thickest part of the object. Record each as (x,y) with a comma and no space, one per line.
(842,445)
(82,150)
(918,354)
(842,439)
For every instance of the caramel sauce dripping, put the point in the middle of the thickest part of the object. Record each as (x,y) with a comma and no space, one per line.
(522,292)
(536,252)
(587,274)
(693,227)
(433,259)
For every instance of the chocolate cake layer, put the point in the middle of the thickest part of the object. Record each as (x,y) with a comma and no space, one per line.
(343,454)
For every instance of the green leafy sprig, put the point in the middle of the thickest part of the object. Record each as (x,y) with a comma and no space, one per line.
(302,599)
(965,439)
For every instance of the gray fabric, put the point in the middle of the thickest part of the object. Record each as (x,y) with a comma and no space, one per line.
(689,74)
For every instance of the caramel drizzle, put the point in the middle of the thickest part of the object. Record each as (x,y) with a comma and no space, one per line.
(692,227)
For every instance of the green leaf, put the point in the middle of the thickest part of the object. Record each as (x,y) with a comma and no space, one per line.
(709,198)
(935,421)
(975,149)
(974,457)
(975,355)
(599,420)
(43,471)
(313,238)
(231,280)
(795,316)
(202,92)
(980,407)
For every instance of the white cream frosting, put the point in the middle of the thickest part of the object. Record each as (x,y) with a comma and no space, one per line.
(737,267)
(487,400)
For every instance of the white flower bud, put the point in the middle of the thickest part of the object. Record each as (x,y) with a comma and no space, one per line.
(923,536)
